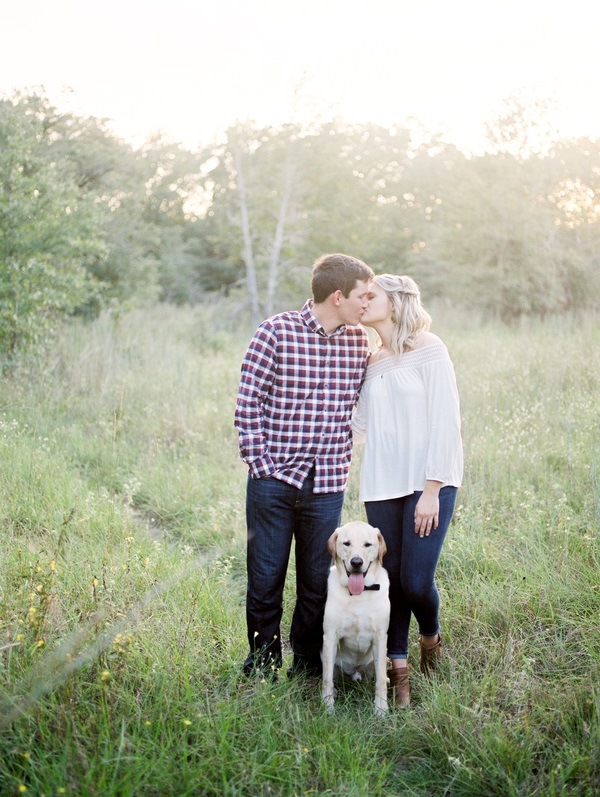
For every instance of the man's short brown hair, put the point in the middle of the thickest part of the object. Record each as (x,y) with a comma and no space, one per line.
(337,272)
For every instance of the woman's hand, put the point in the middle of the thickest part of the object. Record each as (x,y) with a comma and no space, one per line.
(427,509)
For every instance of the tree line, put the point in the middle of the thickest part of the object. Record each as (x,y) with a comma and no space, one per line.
(88,221)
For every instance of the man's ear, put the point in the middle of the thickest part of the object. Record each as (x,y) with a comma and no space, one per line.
(337,297)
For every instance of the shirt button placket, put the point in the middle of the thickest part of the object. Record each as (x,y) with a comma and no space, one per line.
(326,386)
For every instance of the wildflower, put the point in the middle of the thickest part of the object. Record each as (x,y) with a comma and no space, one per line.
(22,787)
(187,722)
(104,675)
(40,643)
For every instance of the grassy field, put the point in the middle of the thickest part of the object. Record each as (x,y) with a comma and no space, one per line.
(122,581)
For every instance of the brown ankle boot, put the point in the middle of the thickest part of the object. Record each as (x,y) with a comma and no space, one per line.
(431,656)
(400,686)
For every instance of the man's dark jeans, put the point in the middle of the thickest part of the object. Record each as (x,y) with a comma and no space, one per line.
(276,513)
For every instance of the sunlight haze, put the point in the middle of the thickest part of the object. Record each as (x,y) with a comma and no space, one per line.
(191,68)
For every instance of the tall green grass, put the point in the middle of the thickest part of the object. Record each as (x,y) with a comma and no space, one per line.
(122,580)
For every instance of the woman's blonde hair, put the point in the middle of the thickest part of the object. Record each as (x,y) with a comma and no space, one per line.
(409,315)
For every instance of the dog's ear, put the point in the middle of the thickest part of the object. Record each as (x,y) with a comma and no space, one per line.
(382,547)
(331,543)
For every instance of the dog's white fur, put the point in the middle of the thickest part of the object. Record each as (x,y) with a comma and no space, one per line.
(355,626)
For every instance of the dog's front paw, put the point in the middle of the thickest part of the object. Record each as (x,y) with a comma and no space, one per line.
(381,708)
(328,702)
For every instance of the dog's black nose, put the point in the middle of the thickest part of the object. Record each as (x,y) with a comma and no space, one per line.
(356,562)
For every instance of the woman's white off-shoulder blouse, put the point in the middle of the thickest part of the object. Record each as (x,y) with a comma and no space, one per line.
(408,417)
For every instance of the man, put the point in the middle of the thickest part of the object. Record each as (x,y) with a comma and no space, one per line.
(300,380)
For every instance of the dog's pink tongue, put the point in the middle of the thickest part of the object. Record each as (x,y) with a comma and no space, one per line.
(356,583)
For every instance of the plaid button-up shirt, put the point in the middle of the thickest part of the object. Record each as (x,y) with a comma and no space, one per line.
(297,391)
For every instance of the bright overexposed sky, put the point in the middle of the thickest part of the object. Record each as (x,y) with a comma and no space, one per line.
(191,68)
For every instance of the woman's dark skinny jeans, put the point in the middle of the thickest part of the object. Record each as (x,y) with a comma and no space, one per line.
(411,563)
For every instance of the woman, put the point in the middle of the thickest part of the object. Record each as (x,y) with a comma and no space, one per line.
(408,416)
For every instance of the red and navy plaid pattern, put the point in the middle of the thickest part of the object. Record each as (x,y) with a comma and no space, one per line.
(297,391)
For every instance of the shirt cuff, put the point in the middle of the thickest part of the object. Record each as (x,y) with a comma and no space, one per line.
(262,467)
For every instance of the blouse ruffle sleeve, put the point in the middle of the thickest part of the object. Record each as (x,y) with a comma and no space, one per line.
(444,454)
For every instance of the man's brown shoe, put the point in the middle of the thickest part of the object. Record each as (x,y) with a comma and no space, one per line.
(400,686)
(431,656)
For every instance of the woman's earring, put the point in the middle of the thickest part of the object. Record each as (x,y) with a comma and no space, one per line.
(393,318)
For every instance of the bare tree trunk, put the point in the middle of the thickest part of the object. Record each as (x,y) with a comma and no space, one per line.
(278,239)
(248,255)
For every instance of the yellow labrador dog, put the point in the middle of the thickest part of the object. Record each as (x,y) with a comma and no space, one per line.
(357,611)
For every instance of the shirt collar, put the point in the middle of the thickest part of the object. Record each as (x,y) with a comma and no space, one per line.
(312,322)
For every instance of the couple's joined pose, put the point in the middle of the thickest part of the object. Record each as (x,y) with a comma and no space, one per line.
(297,415)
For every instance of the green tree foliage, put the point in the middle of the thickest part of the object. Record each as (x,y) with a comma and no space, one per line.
(86,219)
(47,235)
(301,193)
(170,197)
(507,233)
